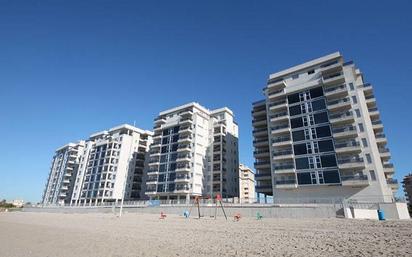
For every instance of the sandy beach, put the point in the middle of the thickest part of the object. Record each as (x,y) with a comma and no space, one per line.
(58,234)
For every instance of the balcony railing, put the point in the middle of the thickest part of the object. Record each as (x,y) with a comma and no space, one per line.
(354,177)
(280,139)
(259,130)
(341,115)
(261,163)
(284,166)
(269,186)
(260,152)
(285,182)
(388,165)
(350,160)
(332,89)
(280,127)
(344,129)
(338,101)
(376,122)
(279,114)
(347,144)
(276,92)
(279,102)
(260,140)
(380,135)
(281,153)
(391,181)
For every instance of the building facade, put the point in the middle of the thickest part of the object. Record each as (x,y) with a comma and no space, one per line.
(407,188)
(246,184)
(194,153)
(108,166)
(318,134)
(63,171)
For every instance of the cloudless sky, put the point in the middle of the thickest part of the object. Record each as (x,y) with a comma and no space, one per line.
(71,68)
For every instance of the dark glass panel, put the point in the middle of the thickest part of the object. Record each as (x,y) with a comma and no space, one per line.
(302,163)
(325,146)
(304,178)
(331,176)
(321,117)
(300,149)
(293,98)
(296,122)
(328,160)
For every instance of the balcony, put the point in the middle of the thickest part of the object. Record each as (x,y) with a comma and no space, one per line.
(276,94)
(352,146)
(367,88)
(286,184)
(186,113)
(377,125)
(280,116)
(263,176)
(160,120)
(336,92)
(184,148)
(276,83)
(280,129)
(283,155)
(260,142)
(381,139)
(373,113)
(345,132)
(184,157)
(259,112)
(385,154)
(339,104)
(153,172)
(388,168)
(259,122)
(186,121)
(183,168)
(351,163)
(261,153)
(393,183)
(185,139)
(278,105)
(264,188)
(332,67)
(355,180)
(262,164)
(260,132)
(342,118)
(182,189)
(333,79)
(284,168)
(370,100)
(186,129)
(182,178)
(281,141)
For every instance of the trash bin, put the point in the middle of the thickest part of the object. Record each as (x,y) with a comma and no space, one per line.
(381,215)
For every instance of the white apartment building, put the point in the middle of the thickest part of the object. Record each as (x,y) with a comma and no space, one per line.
(246,184)
(194,153)
(108,166)
(62,174)
(318,134)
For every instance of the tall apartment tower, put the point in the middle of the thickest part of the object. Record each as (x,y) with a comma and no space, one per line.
(194,153)
(318,134)
(407,188)
(63,171)
(246,184)
(105,168)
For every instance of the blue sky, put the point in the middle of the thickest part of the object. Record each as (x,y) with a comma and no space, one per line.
(70,68)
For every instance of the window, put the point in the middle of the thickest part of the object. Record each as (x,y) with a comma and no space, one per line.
(293,98)
(357,113)
(325,146)
(364,142)
(351,86)
(361,129)
(300,149)
(311,72)
(321,117)
(331,176)
(373,175)
(323,131)
(295,76)
(368,158)
(302,163)
(318,105)
(354,100)
(316,92)
(304,178)
(295,110)
(328,160)
(296,122)
(298,135)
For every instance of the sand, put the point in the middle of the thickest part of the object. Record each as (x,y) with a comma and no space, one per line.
(58,234)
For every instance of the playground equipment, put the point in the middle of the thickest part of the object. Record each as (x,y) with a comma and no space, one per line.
(258,216)
(196,204)
(236,217)
(186,214)
(162,216)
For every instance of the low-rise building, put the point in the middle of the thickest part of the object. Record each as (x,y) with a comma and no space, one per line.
(246,184)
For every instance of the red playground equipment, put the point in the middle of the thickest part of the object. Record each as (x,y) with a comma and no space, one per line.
(236,217)
(162,216)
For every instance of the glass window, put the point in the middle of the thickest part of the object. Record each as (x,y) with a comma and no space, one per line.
(373,175)
(175,138)
(351,86)
(361,129)
(294,98)
(323,131)
(311,72)
(354,100)
(364,142)
(162,168)
(165,140)
(295,110)
(321,117)
(302,163)
(172,166)
(175,129)
(319,105)
(296,122)
(174,147)
(368,158)
(325,146)
(163,158)
(304,178)
(295,76)
(298,135)
(328,160)
(331,176)
(357,113)
(316,92)
(166,132)
(164,149)
(300,149)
